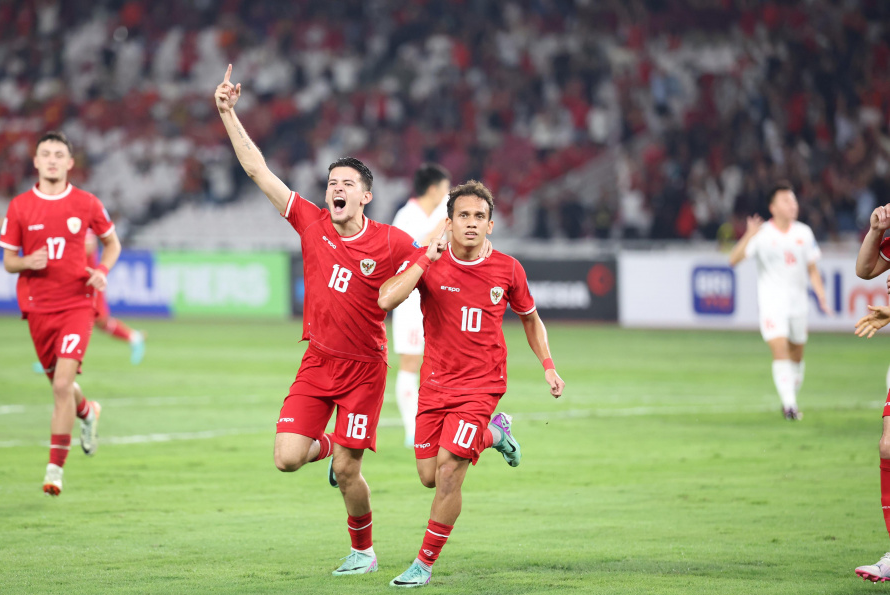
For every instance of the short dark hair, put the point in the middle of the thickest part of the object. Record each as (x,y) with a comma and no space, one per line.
(361,168)
(57,136)
(779,186)
(427,175)
(470,188)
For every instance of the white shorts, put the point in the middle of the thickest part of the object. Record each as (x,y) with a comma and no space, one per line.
(407,326)
(774,325)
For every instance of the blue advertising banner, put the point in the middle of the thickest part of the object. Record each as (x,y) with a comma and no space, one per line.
(134,288)
(8,303)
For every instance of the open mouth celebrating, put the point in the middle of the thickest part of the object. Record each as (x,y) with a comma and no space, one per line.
(339,204)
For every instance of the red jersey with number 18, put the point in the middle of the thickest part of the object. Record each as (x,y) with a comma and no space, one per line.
(884,250)
(463,304)
(342,277)
(58,223)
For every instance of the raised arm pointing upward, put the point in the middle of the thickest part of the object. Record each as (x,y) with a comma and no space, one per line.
(227,95)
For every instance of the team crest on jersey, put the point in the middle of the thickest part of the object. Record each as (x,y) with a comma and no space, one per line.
(73,224)
(368,266)
(496,294)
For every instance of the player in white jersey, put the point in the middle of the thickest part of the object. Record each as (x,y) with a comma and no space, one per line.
(786,253)
(420,218)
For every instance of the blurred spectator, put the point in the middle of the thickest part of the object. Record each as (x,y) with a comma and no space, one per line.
(709,100)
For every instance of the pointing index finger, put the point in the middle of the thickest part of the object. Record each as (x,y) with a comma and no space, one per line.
(228,74)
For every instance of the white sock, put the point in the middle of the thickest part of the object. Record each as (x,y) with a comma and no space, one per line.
(799,369)
(784,378)
(495,433)
(406,397)
(136,337)
(367,552)
(422,565)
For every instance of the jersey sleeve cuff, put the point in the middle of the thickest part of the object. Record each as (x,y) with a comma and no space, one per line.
(107,233)
(10,246)
(524,313)
(290,203)
(884,256)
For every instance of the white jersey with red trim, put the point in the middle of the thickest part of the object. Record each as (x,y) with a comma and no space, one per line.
(463,305)
(407,320)
(414,221)
(782,260)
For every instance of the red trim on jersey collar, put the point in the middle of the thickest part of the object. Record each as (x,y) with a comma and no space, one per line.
(44,196)
(771,222)
(359,234)
(467,263)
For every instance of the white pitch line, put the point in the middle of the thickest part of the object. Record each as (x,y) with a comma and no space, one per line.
(394,422)
(136,402)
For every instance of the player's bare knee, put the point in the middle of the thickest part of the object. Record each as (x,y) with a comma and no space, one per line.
(446,476)
(346,470)
(428,482)
(287,463)
(62,388)
(884,446)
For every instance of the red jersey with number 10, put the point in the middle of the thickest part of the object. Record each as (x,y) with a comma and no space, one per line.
(58,223)
(342,277)
(463,304)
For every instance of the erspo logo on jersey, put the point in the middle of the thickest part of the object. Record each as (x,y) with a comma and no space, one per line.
(713,290)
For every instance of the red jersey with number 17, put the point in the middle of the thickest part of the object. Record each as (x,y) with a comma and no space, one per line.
(342,277)
(58,223)
(463,304)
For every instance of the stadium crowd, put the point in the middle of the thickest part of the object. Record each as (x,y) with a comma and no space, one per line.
(705,102)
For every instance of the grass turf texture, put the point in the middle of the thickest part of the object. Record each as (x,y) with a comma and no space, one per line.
(666,468)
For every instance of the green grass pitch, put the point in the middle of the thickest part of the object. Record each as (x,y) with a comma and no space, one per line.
(666,468)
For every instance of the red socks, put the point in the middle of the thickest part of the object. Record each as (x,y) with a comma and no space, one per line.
(434,540)
(83,409)
(59,444)
(326,442)
(360,531)
(885,491)
(487,439)
(116,328)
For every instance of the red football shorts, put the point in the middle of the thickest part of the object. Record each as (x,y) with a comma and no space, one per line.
(61,334)
(452,421)
(355,388)
(887,405)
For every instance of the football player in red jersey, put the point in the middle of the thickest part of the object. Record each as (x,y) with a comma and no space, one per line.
(464,373)
(346,258)
(873,260)
(56,289)
(105,322)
